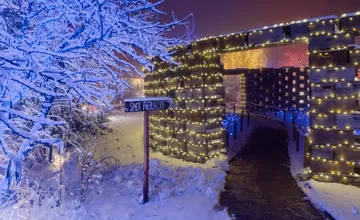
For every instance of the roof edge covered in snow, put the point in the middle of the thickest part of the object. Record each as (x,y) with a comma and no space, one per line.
(311,22)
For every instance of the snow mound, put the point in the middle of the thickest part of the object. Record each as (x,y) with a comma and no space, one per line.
(175,192)
(354,211)
(167,182)
(337,199)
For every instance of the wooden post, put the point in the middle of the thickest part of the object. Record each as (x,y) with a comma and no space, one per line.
(297,140)
(102,116)
(284,114)
(241,120)
(306,150)
(294,132)
(228,137)
(146,158)
(235,128)
(248,119)
(50,154)
(60,182)
(234,109)
(145,105)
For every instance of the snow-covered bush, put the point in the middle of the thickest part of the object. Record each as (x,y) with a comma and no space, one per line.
(41,186)
(68,52)
(166,182)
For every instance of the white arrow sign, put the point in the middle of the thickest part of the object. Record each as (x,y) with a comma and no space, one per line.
(147,104)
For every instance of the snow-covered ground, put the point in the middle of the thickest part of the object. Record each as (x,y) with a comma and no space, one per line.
(235,145)
(178,189)
(175,193)
(125,142)
(341,201)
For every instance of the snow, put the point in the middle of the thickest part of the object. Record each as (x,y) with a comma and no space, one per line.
(298,21)
(328,17)
(175,193)
(351,14)
(125,142)
(198,185)
(296,157)
(354,46)
(355,211)
(178,189)
(315,19)
(339,200)
(236,145)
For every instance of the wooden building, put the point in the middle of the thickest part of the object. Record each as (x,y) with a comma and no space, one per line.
(192,129)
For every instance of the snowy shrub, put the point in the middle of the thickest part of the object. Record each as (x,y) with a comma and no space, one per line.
(91,170)
(165,182)
(68,53)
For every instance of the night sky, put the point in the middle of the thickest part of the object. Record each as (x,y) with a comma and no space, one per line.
(215,17)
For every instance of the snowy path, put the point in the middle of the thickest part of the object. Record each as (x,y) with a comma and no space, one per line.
(260,185)
(125,142)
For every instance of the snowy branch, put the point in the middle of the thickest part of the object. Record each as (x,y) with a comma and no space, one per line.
(78,51)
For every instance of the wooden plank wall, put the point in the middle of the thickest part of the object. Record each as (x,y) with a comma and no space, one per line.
(192,128)
(334,94)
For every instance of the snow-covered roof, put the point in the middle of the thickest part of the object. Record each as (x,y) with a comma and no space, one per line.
(351,14)
(316,19)
(221,35)
(320,18)
(356,46)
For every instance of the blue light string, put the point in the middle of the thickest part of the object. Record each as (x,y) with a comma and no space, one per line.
(229,123)
(302,118)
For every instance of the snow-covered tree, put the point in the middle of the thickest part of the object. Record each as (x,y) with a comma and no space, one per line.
(68,52)
(190,32)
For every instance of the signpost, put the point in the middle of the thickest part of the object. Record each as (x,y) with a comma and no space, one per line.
(145,105)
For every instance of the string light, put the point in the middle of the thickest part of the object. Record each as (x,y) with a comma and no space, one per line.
(328,89)
(195,84)
(184,129)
